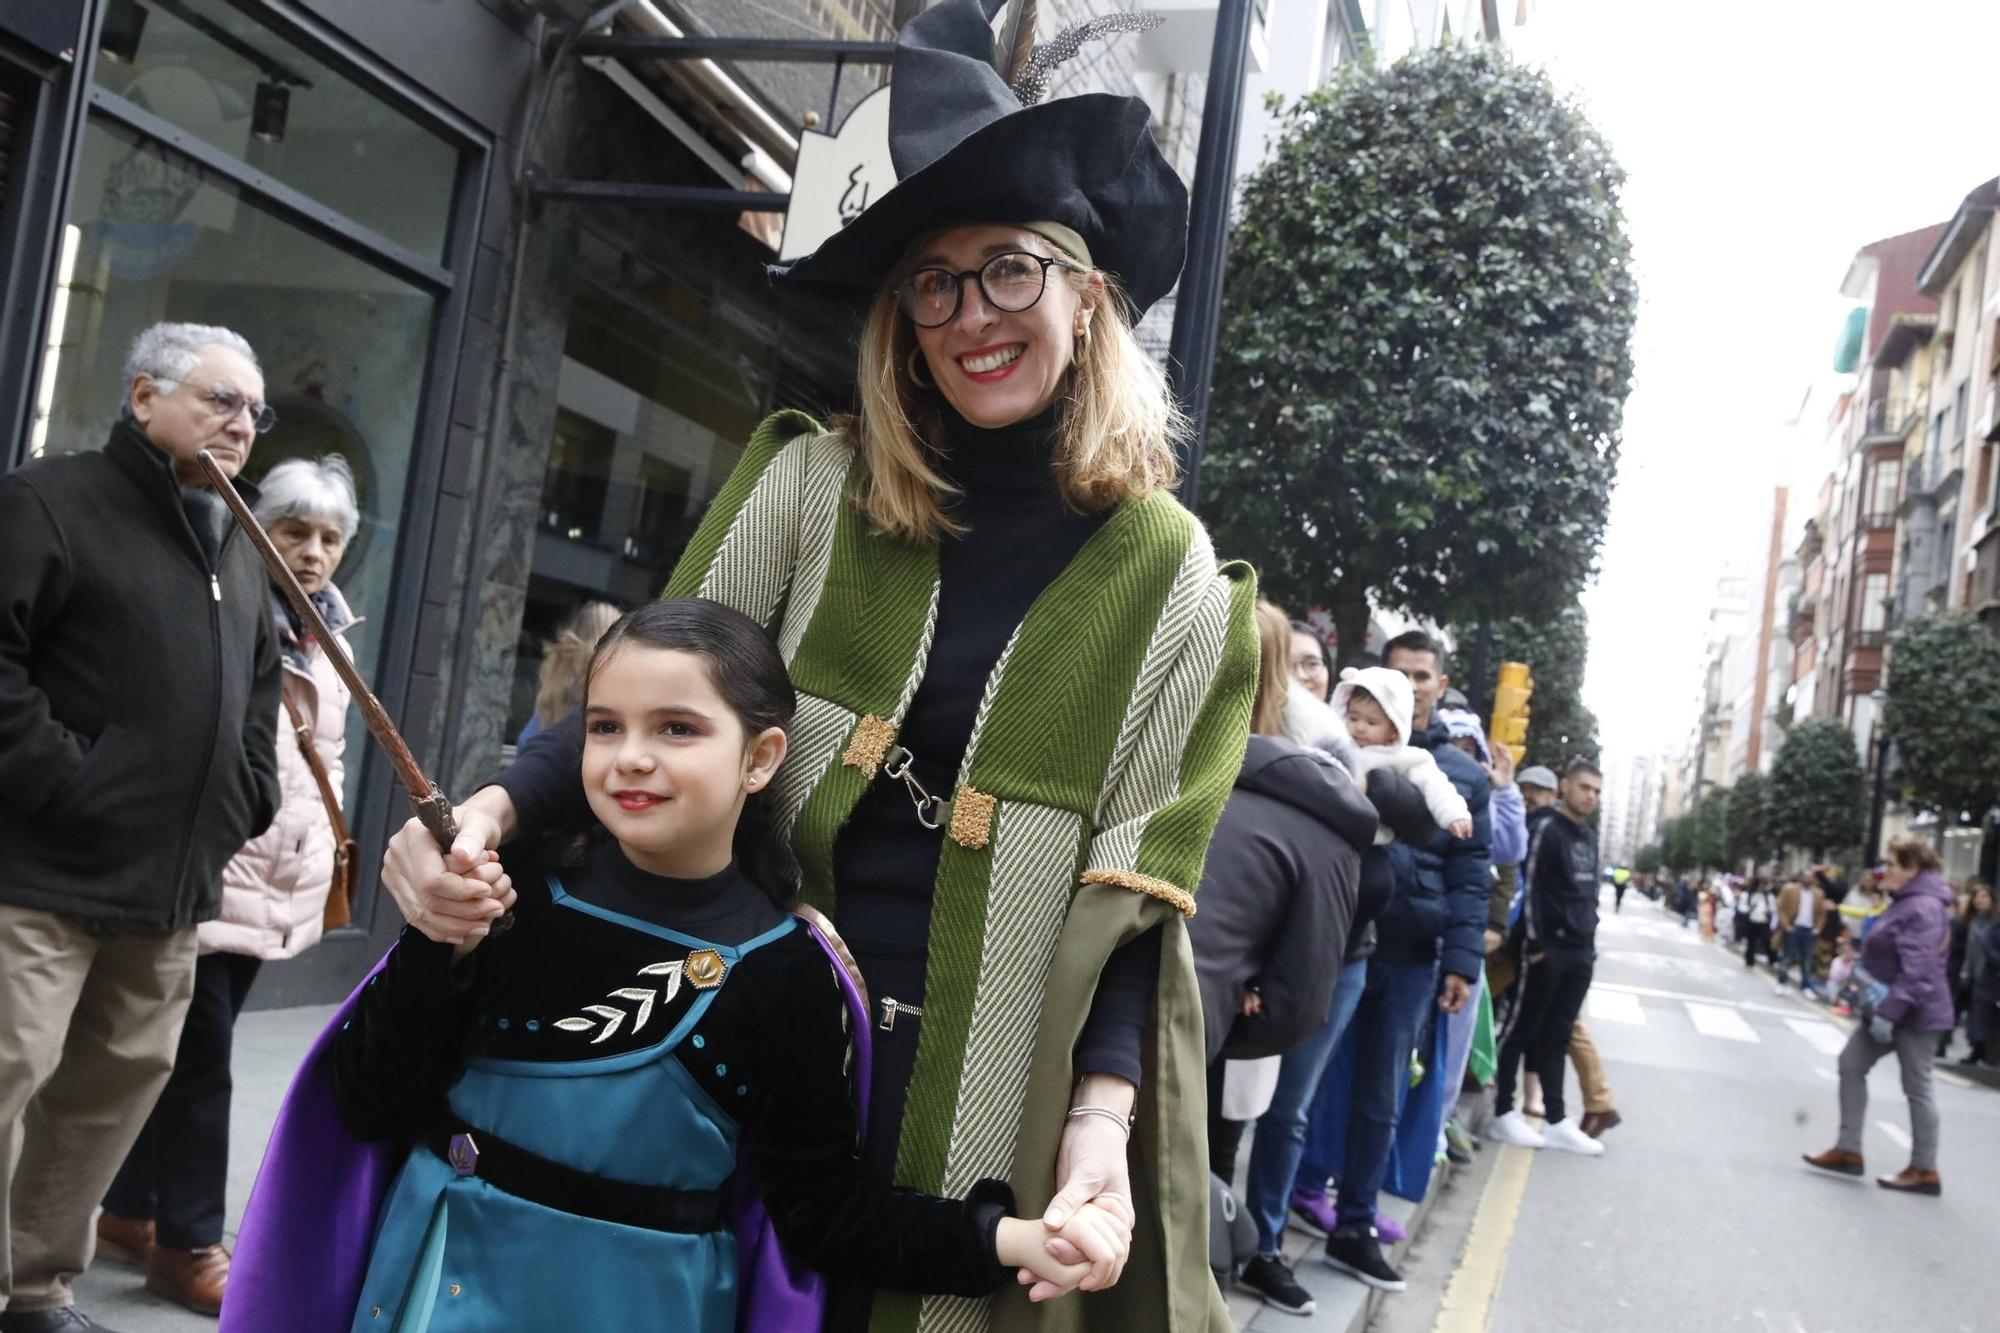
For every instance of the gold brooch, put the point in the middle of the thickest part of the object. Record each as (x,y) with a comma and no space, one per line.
(972,818)
(870,741)
(705,969)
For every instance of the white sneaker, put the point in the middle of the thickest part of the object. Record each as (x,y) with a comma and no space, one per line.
(1514,1128)
(1564,1136)
(1780,989)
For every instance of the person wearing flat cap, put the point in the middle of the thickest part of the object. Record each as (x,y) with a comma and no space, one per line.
(1024,678)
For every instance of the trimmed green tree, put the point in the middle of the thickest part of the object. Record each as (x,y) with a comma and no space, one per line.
(1425,347)
(1677,842)
(1746,834)
(1943,713)
(1646,861)
(1711,830)
(1813,800)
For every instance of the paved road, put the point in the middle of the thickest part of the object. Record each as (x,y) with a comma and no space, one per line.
(1701,1216)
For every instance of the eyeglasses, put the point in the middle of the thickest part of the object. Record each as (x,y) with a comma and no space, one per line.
(1309,665)
(226,402)
(1012,282)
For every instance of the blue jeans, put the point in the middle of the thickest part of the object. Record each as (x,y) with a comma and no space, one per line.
(1393,1004)
(1798,944)
(1281,1130)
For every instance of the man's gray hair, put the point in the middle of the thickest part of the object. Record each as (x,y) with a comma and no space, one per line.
(170,351)
(319,489)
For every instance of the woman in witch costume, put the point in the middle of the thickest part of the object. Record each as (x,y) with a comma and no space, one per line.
(1024,679)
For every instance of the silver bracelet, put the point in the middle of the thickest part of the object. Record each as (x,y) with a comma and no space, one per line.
(1123,1122)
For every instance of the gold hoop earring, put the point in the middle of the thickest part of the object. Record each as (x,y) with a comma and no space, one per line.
(914,365)
(1083,337)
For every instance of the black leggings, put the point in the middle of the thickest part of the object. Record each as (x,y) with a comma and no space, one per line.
(1552,994)
(177,1171)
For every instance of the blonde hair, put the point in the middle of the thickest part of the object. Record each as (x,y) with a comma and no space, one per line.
(1913,853)
(1274,676)
(1119,422)
(566,661)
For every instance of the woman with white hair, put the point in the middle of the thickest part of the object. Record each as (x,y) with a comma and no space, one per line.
(164,1212)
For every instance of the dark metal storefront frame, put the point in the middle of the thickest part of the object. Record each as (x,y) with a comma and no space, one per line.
(53,148)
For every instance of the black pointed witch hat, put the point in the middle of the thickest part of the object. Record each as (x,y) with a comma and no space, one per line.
(967,150)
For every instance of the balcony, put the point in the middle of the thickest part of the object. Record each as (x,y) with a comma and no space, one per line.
(1801,627)
(1862,640)
(1879,521)
(1889,419)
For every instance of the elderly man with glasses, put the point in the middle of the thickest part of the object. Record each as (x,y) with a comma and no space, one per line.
(139,679)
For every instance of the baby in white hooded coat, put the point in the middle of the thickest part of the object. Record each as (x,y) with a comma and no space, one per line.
(1377,703)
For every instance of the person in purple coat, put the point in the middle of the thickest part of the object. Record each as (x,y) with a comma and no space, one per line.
(1906,1002)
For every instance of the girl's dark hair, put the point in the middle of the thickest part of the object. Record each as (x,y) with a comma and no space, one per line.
(746,670)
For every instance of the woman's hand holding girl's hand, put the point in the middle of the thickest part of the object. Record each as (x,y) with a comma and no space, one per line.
(451,898)
(1023,1244)
(1097,1236)
(498,884)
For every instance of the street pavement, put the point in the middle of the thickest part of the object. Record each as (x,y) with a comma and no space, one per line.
(1700,1216)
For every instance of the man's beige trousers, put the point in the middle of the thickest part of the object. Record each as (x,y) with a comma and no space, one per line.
(89,1022)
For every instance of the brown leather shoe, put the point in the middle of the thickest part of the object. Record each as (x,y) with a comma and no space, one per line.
(1596,1122)
(1912,1181)
(1838,1160)
(124,1240)
(194,1278)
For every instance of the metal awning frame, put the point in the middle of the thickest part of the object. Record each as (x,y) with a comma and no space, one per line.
(639,46)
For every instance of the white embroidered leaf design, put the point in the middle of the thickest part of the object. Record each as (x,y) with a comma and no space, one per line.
(645,1000)
(575,1024)
(671,971)
(613,1020)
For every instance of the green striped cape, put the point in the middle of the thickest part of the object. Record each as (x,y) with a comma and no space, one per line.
(1109,734)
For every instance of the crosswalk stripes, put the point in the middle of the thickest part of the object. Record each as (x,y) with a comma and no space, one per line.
(1716,1020)
(1824,1037)
(1610,1006)
(1713,1019)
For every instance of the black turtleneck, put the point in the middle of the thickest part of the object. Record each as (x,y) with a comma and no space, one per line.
(1019,535)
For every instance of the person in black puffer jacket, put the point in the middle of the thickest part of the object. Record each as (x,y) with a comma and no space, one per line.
(1285,925)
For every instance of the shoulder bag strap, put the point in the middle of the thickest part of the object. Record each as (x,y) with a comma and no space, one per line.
(339,903)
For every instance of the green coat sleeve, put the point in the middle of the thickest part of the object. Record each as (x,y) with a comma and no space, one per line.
(1185,756)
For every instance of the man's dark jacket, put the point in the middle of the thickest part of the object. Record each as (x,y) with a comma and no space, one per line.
(1279,896)
(1559,910)
(138,693)
(1439,912)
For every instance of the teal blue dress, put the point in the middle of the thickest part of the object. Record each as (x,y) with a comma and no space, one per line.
(644,1031)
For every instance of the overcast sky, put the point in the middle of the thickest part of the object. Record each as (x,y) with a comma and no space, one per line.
(1765,141)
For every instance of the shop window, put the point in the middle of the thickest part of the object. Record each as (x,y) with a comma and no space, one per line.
(669,364)
(578,477)
(211,68)
(343,344)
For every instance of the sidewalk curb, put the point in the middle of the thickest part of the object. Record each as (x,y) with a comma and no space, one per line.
(1441,1175)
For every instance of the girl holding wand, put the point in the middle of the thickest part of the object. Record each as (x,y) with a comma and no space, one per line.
(577,1090)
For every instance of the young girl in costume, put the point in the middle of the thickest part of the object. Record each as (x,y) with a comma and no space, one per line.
(578,1089)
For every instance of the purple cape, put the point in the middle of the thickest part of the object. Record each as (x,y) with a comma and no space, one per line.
(303,1250)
